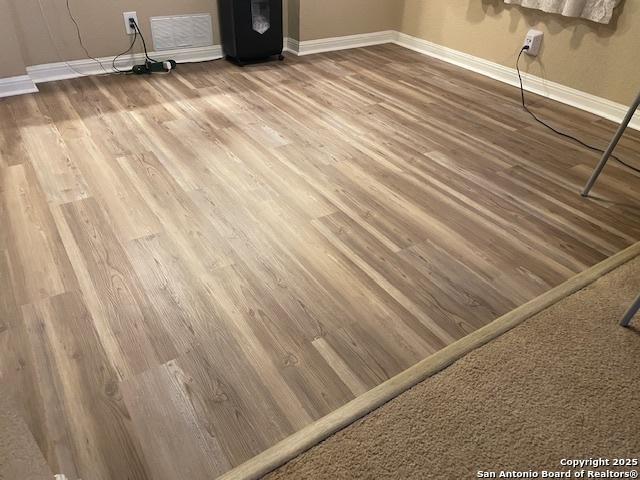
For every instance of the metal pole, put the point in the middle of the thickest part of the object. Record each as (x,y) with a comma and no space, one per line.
(611,148)
(626,321)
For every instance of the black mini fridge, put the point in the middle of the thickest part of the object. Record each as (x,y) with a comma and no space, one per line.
(251,30)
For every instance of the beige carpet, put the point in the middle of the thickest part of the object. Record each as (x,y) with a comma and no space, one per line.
(565,384)
(20,457)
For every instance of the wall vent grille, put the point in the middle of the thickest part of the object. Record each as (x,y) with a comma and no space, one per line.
(181,31)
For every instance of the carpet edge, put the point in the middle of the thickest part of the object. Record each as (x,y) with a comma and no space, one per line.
(321,429)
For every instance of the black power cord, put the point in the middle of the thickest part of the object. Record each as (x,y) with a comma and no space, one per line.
(86,51)
(144,43)
(151,65)
(113,63)
(554,130)
(79,35)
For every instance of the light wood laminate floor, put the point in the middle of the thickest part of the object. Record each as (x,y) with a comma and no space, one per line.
(195,266)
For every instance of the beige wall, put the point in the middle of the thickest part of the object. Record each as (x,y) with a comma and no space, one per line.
(603,60)
(101,23)
(11,62)
(599,59)
(335,18)
(292,17)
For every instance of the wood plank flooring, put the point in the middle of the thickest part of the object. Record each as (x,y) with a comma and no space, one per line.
(195,266)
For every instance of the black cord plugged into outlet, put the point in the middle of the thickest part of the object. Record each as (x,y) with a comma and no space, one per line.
(80,40)
(144,43)
(113,62)
(150,65)
(556,131)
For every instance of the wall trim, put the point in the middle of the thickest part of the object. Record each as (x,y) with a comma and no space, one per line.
(555,91)
(308,47)
(291,45)
(584,101)
(17,85)
(50,72)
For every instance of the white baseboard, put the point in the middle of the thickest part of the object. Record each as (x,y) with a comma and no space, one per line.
(556,91)
(78,68)
(17,86)
(308,47)
(291,45)
(561,93)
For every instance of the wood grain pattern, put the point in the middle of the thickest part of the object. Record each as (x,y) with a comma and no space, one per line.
(125,316)
(313,434)
(195,266)
(101,443)
(38,262)
(164,415)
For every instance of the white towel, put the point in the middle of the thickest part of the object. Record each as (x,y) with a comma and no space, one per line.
(599,11)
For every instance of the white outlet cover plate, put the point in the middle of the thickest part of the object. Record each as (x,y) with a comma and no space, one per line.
(127,16)
(534,41)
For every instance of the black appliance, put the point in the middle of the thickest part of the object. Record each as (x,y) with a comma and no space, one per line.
(251,30)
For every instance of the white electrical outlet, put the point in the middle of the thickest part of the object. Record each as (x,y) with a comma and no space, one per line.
(533,40)
(128,15)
